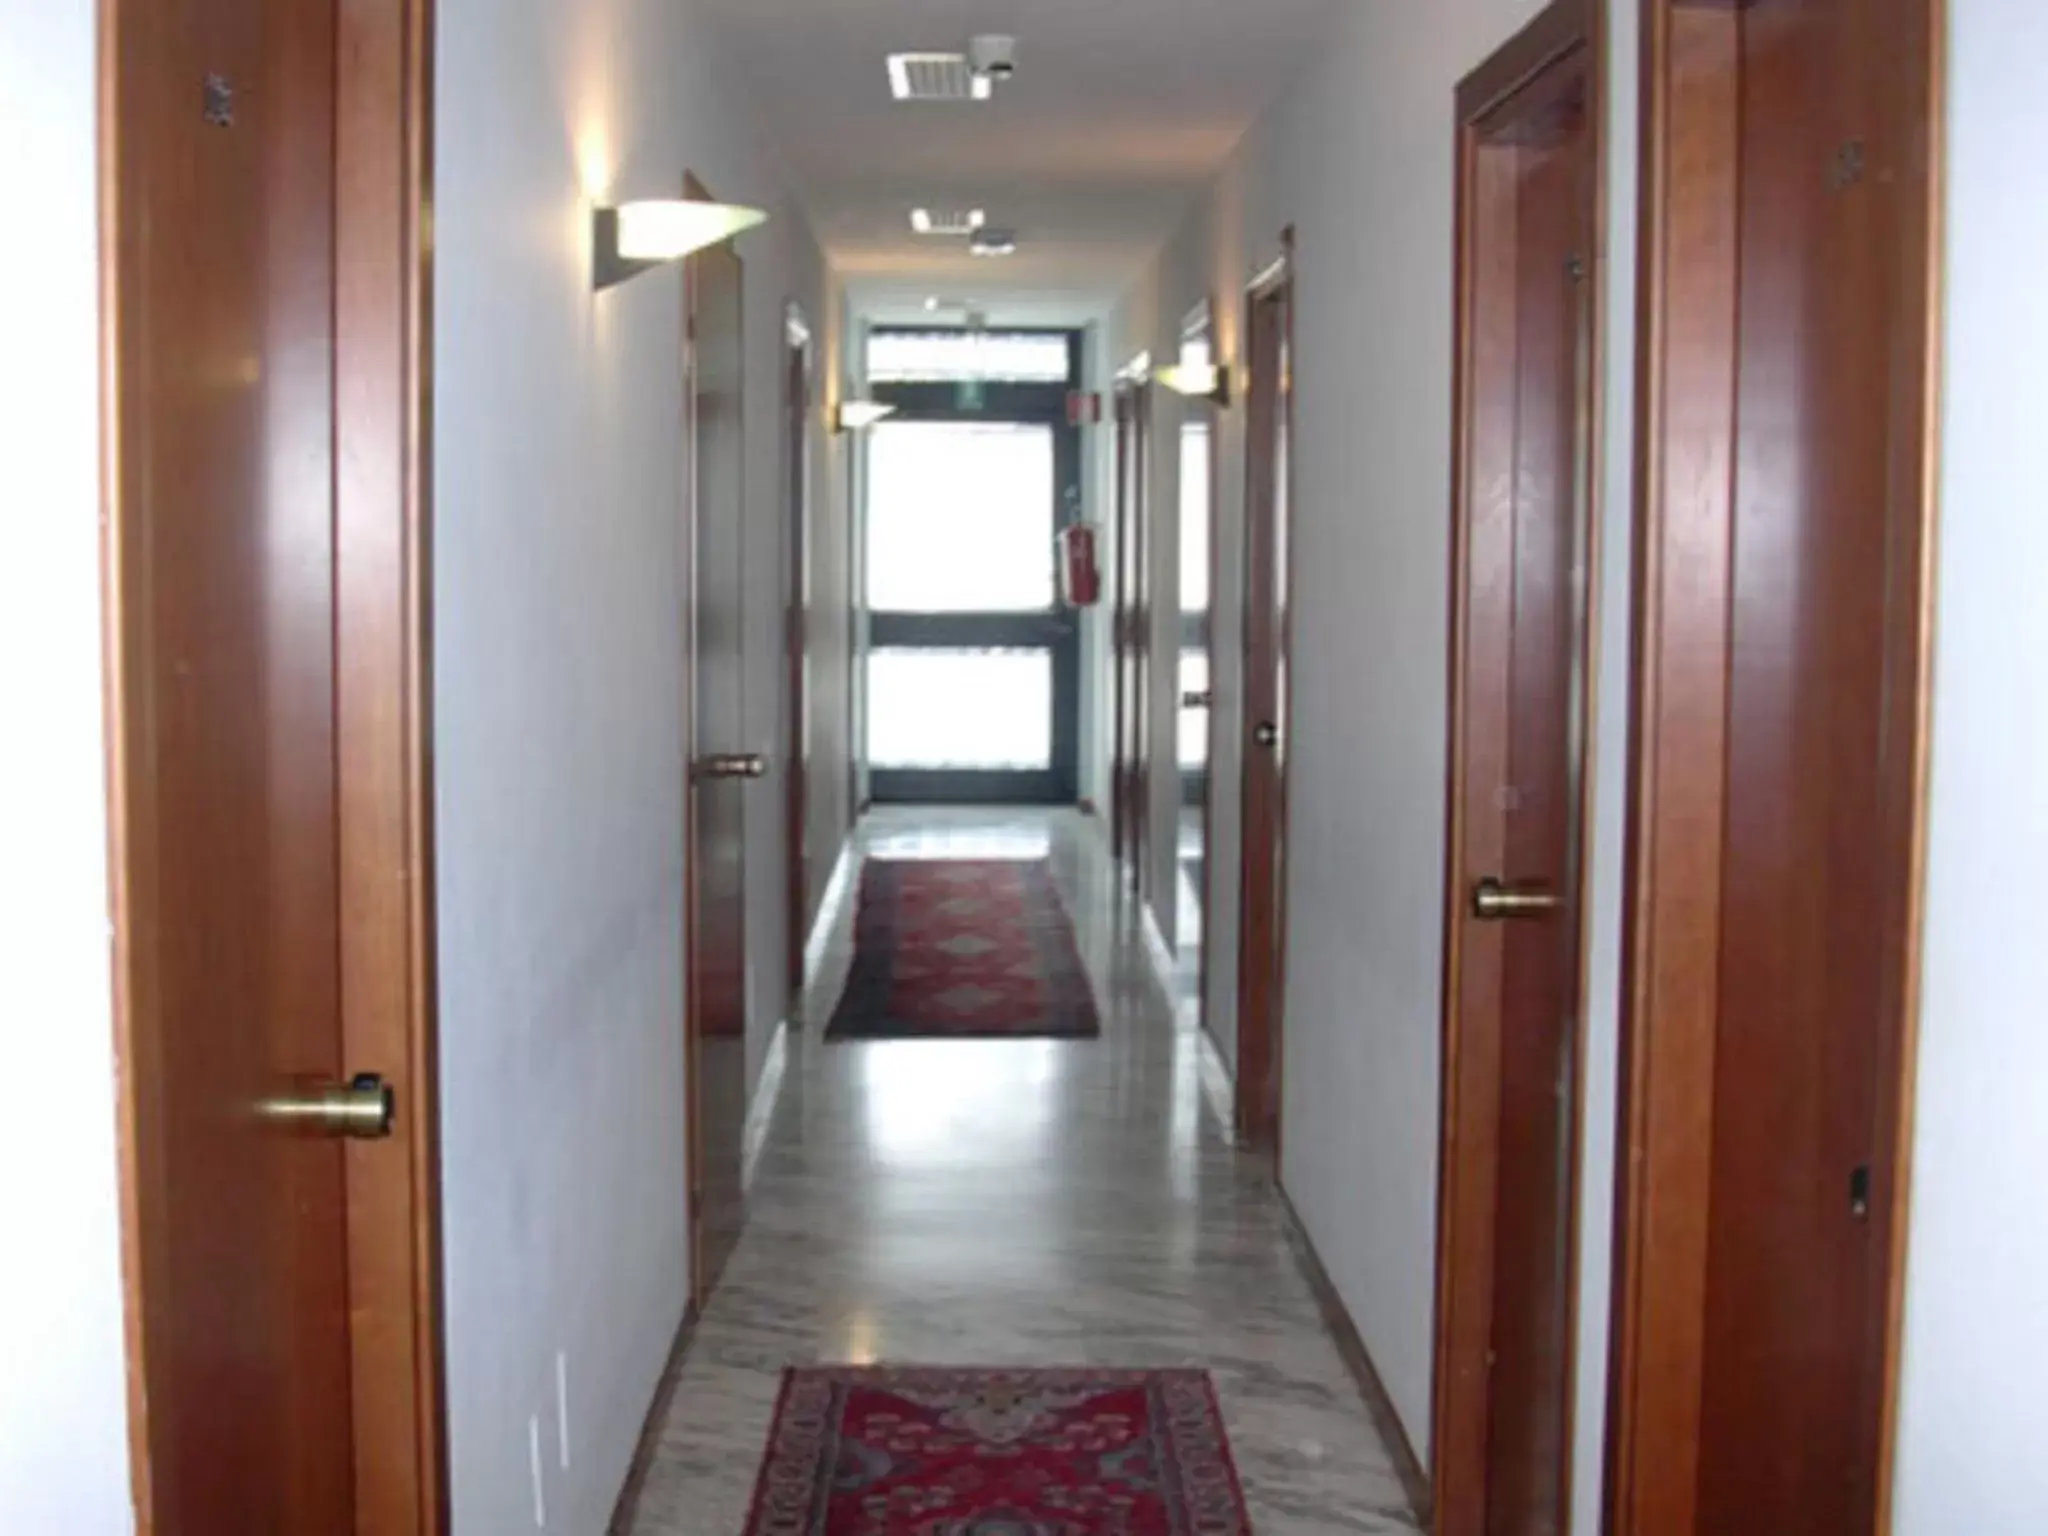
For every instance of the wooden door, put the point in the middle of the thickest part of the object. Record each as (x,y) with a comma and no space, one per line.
(1128,790)
(1522,530)
(721,768)
(1789,195)
(1119,638)
(1138,652)
(796,653)
(224,579)
(1262,904)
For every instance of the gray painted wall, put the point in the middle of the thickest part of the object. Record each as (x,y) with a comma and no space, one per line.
(63,1393)
(1970,1446)
(559,478)
(1359,156)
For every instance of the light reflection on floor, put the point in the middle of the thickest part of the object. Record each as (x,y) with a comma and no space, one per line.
(1041,1202)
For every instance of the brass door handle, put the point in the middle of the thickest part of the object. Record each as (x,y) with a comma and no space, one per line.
(1266,734)
(732,765)
(1495,901)
(361,1109)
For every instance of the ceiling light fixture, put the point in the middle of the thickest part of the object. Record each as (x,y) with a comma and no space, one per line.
(947,221)
(636,236)
(859,415)
(992,56)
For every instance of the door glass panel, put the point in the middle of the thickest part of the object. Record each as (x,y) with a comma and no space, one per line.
(1191,859)
(971,709)
(896,357)
(960,518)
(1194,519)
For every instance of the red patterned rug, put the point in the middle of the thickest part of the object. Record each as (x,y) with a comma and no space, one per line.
(886,1451)
(960,948)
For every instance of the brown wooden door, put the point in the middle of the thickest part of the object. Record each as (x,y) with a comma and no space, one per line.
(1130,641)
(1262,910)
(1791,203)
(1538,835)
(226,789)
(1797,1276)
(1522,529)
(721,768)
(1138,694)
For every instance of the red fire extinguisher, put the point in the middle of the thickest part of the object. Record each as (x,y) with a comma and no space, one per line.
(1080,574)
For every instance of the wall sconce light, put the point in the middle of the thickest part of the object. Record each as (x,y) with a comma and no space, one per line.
(633,237)
(1198,381)
(859,415)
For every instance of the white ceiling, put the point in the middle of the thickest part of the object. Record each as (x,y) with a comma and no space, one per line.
(1121,110)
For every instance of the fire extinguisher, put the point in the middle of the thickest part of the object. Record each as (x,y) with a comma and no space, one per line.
(1080,575)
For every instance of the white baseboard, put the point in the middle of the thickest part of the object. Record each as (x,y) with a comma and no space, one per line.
(761,1111)
(1165,968)
(1219,1083)
(828,908)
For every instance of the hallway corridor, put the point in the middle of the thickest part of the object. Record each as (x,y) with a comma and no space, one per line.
(1019,1203)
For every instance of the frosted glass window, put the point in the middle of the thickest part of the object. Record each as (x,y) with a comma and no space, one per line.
(902,357)
(968,709)
(960,518)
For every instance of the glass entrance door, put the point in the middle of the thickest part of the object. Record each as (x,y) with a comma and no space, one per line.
(973,664)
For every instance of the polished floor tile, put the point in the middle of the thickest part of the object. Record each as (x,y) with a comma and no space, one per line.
(1020,1203)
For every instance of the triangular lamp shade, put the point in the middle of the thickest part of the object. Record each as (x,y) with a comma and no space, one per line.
(637,235)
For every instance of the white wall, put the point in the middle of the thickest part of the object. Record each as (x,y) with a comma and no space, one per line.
(829,790)
(559,792)
(1970,1454)
(787,266)
(1358,156)
(63,1411)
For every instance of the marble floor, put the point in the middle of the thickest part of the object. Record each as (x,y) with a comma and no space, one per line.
(1019,1203)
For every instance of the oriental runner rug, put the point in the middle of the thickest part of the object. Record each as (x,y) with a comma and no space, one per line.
(901,1451)
(963,948)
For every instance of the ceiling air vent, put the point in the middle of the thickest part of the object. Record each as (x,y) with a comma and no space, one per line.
(936,77)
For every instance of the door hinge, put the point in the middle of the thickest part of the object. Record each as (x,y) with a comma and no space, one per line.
(1846,169)
(217,101)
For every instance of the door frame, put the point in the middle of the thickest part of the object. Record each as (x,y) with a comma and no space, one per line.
(1130,638)
(799,390)
(1261,1025)
(1200,323)
(695,188)
(383,370)
(1568,34)
(1685,439)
